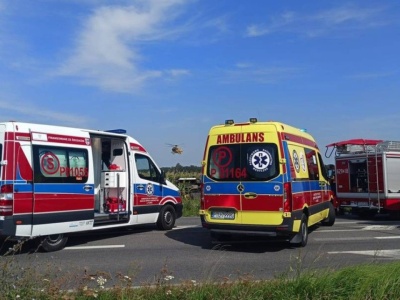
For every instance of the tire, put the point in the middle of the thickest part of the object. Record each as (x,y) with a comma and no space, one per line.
(302,237)
(166,219)
(330,220)
(53,242)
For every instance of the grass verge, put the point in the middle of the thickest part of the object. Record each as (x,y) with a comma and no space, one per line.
(368,281)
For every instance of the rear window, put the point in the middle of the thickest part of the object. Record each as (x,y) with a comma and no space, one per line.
(245,162)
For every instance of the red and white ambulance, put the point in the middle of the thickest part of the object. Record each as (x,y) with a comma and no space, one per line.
(58,180)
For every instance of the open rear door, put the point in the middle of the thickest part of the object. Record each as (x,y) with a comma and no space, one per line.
(63,184)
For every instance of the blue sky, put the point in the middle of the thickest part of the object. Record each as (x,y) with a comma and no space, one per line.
(168,70)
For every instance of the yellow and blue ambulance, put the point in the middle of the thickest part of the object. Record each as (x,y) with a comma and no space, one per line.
(263,178)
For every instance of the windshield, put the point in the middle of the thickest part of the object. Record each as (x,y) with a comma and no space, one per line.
(244,162)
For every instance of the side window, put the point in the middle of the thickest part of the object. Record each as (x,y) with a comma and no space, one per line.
(146,168)
(324,171)
(60,164)
(312,163)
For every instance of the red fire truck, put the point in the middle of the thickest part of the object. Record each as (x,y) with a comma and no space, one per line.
(367,175)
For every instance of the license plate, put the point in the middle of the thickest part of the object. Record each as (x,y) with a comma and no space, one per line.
(223,215)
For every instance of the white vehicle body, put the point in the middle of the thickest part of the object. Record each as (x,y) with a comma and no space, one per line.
(57,180)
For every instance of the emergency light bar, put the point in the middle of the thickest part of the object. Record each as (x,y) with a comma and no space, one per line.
(253,120)
(121,131)
(229,122)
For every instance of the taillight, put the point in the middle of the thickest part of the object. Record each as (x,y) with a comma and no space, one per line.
(287,197)
(202,196)
(6,199)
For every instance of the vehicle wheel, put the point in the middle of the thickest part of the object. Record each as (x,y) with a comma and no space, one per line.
(301,238)
(53,242)
(166,219)
(330,220)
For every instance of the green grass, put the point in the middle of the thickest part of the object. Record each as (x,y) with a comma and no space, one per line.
(190,201)
(191,207)
(373,281)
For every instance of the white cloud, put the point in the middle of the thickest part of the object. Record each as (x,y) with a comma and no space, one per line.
(345,14)
(321,23)
(108,53)
(178,72)
(257,30)
(26,111)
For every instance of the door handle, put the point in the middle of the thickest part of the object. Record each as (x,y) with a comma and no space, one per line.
(87,188)
(250,195)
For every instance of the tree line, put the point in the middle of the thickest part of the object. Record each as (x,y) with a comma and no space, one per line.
(182,169)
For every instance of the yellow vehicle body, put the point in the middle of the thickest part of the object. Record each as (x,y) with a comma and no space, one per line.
(263,178)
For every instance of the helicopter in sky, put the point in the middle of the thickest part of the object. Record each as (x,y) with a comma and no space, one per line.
(176,149)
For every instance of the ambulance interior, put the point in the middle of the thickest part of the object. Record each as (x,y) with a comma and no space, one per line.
(110,179)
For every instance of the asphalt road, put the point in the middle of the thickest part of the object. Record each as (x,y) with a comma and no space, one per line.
(144,255)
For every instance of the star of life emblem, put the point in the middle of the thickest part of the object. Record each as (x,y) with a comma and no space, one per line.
(260,160)
(149,189)
(296,161)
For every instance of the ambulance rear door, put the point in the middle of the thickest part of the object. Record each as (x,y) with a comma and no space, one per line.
(242,184)
(63,182)
(261,185)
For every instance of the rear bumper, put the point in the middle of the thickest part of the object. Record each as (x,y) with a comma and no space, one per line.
(283,229)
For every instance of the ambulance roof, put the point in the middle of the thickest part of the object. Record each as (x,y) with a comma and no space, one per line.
(44,128)
(279,126)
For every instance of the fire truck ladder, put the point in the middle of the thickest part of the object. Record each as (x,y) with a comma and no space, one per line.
(377,179)
(371,151)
